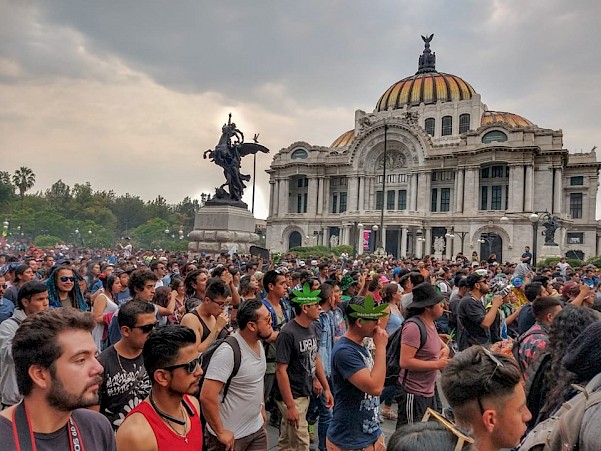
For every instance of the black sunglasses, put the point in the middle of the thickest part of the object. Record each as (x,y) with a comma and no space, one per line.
(498,364)
(67,279)
(189,366)
(146,328)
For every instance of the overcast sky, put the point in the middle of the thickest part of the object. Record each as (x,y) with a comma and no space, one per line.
(128,94)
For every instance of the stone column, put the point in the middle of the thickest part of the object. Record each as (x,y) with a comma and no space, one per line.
(371,204)
(326,195)
(424,195)
(341,236)
(352,195)
(360,240)
(272,201)
(361,204)
(276,198)
(312,197)
(529,194)
(383,242)
(428,237)
(459,192)
(324,235)
(284,194)
(321,199)
(471,191)
(413,192)
(403,241)
(516,185)
(558,193)
(447,246)
(419,245)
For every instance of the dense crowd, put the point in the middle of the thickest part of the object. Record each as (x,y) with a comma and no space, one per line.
(197,352)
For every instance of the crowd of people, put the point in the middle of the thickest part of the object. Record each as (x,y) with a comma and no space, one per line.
(159,351)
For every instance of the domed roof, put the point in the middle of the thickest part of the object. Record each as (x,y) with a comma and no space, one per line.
(427,85)
(345,139)
(502,117)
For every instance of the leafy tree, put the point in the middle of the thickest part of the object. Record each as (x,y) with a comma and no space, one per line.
(59,195)
(23,179)
(130,212)
(7,189)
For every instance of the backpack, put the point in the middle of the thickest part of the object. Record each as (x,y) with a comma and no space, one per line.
(562,430)
(393,350)
(205,359)
(515,350)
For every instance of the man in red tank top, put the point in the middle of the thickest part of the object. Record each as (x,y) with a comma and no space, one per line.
(168,419)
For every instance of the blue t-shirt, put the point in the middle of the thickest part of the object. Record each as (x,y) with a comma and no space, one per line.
(6,309)
(355,422)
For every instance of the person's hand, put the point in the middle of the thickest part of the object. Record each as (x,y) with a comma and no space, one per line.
(497,301)
(227,438)
(380,338)
(222,321)
(329,399)
(227,277)
(292,416)
(442,362)
(444,353)
(317,387)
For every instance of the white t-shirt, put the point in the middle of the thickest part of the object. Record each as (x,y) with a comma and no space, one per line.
(241,410)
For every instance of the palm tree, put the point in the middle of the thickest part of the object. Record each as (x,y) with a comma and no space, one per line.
(24,179)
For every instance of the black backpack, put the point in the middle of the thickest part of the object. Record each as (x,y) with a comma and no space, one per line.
(205,359)
(393,350)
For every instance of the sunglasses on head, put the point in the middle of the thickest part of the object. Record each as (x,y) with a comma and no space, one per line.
(67,279)
(498,364)
(462,439)
(146,328)
(189,366)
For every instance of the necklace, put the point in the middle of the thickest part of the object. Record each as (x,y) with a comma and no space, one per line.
(166,416)
(185,434)
(128,374)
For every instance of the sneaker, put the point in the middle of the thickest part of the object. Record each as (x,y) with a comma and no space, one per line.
(388,414)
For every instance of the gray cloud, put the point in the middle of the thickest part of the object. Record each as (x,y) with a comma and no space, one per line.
(127,94)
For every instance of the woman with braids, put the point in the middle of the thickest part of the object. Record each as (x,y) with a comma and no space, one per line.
(548,381)
(104,303)
(63,291)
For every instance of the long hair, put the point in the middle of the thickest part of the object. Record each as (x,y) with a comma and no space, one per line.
(75,294)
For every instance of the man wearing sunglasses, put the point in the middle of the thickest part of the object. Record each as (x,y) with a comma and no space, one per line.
(486,394)
(474,322)
(170,417)
(236,421)
(31,298)
(125,382)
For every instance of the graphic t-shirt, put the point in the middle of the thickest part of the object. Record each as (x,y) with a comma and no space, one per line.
(355,423)
(296,346)
(125,384)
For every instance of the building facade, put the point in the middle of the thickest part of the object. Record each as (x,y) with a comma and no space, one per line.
(433,171)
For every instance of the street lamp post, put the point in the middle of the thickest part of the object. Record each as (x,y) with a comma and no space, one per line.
(375,228)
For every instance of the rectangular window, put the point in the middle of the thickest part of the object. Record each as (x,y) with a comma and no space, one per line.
(576,205)
(577,181)
(484,198)
(402,199)
(485,173)
(379,200)
(343,181)
(430,125)
(464,123)
(497,171)
(495,203)
(390,200)
(447,125)
(299,203)
(434,199)
(305,196)
(445,199)
(434,176)
(342,202)
(391,178)
(299,183)
(402,178)
(380,179)
(334,181)
(575,238)
(335,203)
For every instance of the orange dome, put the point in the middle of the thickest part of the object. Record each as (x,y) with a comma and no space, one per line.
(502,117)
(428,88)
(345,139)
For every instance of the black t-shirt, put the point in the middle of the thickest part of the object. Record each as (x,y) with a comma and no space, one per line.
(121,390)
(296,346)
(96,434)
(470,314)
(525,319)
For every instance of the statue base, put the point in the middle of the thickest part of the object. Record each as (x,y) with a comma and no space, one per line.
(549,251)
(222,227)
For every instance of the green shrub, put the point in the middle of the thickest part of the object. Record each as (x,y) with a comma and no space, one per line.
(47,241)
(552,261)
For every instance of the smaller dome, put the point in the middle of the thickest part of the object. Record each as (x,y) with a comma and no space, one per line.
(345,139)
(502,117)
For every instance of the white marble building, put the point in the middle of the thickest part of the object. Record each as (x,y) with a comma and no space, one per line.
(453,169)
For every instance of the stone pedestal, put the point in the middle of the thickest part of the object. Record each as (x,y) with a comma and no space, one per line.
(549,251)
(217,228)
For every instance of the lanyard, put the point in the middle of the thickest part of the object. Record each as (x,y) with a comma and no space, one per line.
(23,435)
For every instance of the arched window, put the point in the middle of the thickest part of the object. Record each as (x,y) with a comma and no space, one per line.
(447,126)
(299,154)
(495,135)
(430,126)
(464,123)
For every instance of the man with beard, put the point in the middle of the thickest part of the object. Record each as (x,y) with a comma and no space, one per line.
(59,377)
(31,298)
(126,381)
(169,418)
(474,322)
(235,421)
